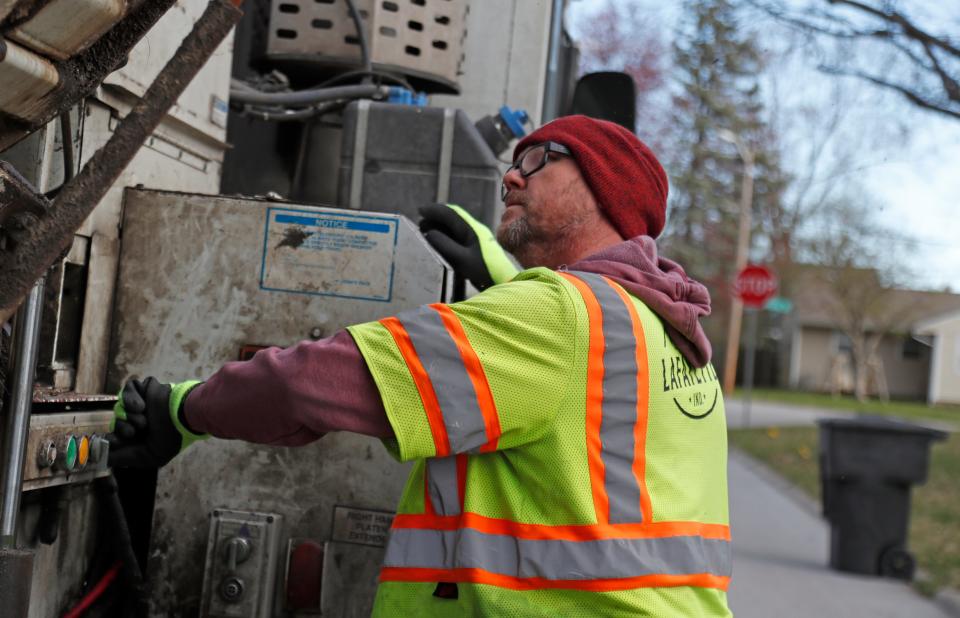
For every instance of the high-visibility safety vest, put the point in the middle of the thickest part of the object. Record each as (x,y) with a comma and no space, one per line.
(569,461)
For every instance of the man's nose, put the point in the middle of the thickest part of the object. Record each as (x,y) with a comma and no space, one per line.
(513,179)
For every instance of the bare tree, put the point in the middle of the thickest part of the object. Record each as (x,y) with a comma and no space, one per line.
(857,282)
(921,63)
(627,36)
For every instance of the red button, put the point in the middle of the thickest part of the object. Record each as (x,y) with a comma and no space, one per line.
(304,572)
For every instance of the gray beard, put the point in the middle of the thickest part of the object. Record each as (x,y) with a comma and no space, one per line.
(515,234)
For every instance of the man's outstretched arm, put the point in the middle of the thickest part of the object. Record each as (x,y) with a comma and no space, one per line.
(287,397)
(290,396)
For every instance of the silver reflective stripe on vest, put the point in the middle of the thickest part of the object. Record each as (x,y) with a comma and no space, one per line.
(455,393)
(442,485)
(557,559)
(619,402)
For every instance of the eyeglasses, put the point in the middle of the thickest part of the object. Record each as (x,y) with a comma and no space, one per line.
(533,161)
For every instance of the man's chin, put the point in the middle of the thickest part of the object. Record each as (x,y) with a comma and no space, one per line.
(513,234)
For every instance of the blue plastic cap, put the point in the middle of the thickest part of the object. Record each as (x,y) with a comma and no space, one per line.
(515,119)
(404,96)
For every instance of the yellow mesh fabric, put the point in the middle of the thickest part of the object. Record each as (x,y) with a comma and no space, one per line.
(538,381)
(413,494)
(686,469)
(397,390)
(513,329)
(532,338)
(416,599)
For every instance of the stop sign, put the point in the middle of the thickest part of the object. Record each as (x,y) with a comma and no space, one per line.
(755,285)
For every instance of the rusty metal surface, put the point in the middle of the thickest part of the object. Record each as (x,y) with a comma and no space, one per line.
(80,75)
(18,199)
(42,242)
(26,78)
(63,28)
(49,395)
(13,12)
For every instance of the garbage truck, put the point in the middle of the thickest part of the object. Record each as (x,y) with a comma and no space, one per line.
(185,183)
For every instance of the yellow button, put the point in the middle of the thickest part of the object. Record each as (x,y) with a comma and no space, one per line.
(84,453)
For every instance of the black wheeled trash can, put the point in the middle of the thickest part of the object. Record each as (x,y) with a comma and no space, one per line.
(867,467)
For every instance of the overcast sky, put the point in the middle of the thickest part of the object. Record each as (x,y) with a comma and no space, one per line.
(917,182)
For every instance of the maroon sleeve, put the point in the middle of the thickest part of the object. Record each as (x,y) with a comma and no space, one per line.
(291,396)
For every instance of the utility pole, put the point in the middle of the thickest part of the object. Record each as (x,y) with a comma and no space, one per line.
(743,248)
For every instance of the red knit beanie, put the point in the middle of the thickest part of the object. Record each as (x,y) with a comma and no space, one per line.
(623,174)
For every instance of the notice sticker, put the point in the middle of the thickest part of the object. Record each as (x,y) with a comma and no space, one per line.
(362,526)
(329,254)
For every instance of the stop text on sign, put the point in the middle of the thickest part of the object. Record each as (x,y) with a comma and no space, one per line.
(755,285)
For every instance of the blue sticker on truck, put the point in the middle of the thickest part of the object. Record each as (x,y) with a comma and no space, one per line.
(329,254)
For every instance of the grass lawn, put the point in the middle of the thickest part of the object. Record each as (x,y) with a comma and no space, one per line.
(935,516)
(904,409)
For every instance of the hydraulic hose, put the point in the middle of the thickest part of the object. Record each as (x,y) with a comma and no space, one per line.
(307,97)
(293,115)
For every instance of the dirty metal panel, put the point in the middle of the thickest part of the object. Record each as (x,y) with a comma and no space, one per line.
(190,294)
(170,159)
(156,165)
(349,572)
(95,330)
(25,79)
(81,74)
(240,573)
(52,430)
(59,569)
(63,28)
(5,7)
(341,254)
(361,526)
(189,298)
(200,105)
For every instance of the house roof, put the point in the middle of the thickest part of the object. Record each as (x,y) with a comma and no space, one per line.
(822,297)
(932,324)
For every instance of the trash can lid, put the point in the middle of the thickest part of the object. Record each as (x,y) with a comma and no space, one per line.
(873,422)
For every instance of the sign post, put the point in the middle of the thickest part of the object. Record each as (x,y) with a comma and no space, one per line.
(755,285)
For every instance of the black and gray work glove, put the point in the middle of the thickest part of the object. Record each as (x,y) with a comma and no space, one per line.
(468,245)
(147,431)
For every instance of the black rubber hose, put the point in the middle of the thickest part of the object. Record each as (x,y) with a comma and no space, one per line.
(298,115)
(361,35)
(307,97)
(131,574)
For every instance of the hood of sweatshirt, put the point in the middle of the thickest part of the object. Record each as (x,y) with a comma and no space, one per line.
(663,286)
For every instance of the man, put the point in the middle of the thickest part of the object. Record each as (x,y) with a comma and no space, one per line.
(567,428)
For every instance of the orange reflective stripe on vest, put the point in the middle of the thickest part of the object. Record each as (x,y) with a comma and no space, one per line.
(624,549)
(617,390)
(563,563)
(449,378)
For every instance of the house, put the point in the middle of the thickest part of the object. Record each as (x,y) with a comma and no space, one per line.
(943,334)
(914,336)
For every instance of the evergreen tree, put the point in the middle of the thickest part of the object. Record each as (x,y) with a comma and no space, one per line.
(717,63)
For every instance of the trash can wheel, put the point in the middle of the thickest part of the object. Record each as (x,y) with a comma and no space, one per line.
(897,562)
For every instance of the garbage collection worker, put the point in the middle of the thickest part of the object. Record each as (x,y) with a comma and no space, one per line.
(567,427)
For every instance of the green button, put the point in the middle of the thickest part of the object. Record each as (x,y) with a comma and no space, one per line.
(71,459)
